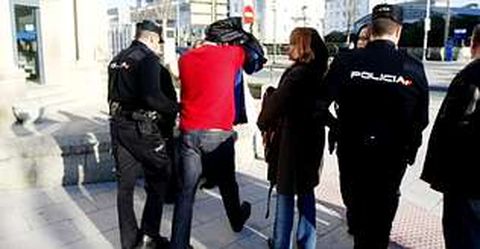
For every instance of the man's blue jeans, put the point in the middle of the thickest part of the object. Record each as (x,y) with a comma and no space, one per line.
(202,152)
(461,222)
(306,236)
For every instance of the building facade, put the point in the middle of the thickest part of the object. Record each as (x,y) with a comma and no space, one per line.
(342,14)
(235,7)
(188,18)
(280,17)
(47,42)
(196,15)
(121,29)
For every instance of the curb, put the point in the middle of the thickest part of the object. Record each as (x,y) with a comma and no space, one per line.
(49,160)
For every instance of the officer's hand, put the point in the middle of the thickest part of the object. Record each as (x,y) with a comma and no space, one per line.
(269,91)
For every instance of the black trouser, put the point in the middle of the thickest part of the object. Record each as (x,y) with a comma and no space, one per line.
(133,152)
(370,179)
(461,221)
(346,189)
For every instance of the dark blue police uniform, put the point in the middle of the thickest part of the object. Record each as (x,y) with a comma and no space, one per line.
(382,98)
(143,108)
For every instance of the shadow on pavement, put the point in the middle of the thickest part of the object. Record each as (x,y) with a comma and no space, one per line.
(84,215)
(210,225)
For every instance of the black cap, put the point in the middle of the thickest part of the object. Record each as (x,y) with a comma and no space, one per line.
(150,25)
(392,12)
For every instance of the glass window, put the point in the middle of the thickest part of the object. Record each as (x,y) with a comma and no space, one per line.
(27,40)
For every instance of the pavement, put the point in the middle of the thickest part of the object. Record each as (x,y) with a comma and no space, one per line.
(84,216)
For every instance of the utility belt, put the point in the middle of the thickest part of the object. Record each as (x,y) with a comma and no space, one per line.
(146,120)
(133,112)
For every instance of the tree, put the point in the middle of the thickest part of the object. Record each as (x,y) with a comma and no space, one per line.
(412,34)
(336,37)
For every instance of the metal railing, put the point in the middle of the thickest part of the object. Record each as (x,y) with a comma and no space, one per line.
(119,38)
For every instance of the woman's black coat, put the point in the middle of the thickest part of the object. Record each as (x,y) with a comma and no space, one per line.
(292,106)
(451,163)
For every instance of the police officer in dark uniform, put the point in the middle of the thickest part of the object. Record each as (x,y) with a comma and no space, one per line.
(143,108)
(382,98)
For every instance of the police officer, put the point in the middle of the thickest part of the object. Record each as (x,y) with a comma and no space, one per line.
(382,98)
(142,107)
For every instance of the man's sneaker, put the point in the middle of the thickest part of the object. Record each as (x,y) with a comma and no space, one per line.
(245,209)
(147,242)
(162,243)
(270,243)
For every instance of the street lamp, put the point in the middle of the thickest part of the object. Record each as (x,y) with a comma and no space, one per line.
(304,15)
(274,10)
(214,10)
(177,22)
(351,14)
(447,26)
(427,29)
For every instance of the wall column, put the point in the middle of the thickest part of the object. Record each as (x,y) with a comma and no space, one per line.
(12,79)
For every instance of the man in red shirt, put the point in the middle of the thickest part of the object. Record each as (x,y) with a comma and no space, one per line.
(207,75)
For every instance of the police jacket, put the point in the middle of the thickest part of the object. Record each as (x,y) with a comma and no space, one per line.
(137,80)
(382,98)
(451,163)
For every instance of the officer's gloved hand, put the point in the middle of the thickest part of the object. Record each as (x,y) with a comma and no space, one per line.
(269,91)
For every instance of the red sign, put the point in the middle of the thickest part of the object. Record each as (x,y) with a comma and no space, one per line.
(248,15)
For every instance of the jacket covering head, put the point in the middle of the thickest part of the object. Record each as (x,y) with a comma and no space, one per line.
(230,31)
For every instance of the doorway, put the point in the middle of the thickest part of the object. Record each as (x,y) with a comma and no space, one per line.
(28,42)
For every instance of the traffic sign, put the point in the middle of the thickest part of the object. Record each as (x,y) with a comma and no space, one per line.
(248,14)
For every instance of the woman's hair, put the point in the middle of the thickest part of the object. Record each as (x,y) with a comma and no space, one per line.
(366,28)
(476,35)
(308,47)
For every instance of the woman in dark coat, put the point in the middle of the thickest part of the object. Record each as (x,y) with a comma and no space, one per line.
(451,163)
(291,111)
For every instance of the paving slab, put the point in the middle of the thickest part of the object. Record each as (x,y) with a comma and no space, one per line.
(85,216)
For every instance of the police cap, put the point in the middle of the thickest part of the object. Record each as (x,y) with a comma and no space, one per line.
(392,12)
(150,25)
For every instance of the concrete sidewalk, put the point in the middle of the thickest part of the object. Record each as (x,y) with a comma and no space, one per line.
(85,216)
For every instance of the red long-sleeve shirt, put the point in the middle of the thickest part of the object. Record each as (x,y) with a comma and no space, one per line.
(207,76)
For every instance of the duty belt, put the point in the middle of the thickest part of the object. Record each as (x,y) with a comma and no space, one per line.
(118,110)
